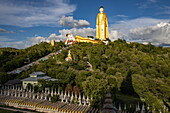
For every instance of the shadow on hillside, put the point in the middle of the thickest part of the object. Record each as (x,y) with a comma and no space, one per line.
(127,87)
(127,98)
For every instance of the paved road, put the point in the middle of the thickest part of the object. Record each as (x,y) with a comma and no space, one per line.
(12,109)
(26,67)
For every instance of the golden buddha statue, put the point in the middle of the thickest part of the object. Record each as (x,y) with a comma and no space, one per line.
(102,25)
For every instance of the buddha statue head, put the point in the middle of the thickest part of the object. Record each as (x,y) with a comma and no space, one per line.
(101,9)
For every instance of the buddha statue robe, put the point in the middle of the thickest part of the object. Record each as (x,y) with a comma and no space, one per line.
(102,26)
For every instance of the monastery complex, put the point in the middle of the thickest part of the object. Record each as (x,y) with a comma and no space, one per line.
(19,96)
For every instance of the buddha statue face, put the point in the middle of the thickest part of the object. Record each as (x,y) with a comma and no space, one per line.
(101,9)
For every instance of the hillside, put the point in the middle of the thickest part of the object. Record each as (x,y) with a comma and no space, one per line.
(11,58)
(134,72)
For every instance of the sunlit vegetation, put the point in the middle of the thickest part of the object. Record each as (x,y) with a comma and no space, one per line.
(133,72)
(11,58)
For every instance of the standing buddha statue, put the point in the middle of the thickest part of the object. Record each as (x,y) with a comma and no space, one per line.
(102,25)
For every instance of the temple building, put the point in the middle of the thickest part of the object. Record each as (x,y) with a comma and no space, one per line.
(69,57)
(70,40)
(16,82)
(34,77)
(102,25)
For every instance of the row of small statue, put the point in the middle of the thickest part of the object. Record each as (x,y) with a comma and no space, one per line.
(17,91)
(141,109)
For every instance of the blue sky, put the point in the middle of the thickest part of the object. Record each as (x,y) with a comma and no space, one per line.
(26,22)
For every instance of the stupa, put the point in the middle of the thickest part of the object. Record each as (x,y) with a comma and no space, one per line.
(108,105)
(69,57)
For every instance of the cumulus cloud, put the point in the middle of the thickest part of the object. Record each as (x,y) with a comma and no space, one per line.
(37,40)
(125,25)
(82,31)
(26,13)
(114,35)
(71,22)
(142,30)
(5,31)
(157,35)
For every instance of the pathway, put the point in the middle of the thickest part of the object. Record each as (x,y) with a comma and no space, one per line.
(26,67)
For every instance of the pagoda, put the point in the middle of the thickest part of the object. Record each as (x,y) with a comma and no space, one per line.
(108,105)
(69,57)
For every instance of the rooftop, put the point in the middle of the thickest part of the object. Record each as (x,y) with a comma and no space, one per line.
(13,82)
(35,76)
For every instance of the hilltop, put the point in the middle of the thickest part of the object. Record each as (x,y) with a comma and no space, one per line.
(134,72)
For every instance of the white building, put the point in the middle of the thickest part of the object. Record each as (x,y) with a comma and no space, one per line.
(34,77)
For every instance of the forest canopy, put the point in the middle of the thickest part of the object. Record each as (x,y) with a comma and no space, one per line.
(139,72)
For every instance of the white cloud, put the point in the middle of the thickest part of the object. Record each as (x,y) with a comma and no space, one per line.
(114,35)
(125,25)
(82,31)
(140,30)
(158,34)
(55,37)
(71,22)
(52,36)
(33,13)
(143,30)
(37,40)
